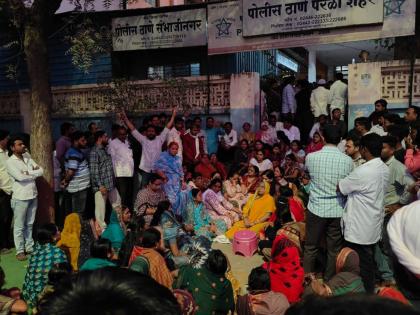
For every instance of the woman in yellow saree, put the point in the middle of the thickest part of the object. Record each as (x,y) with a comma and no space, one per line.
(256,211)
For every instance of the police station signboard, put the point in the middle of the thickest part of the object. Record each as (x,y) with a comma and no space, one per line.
(285,16)
(162,30)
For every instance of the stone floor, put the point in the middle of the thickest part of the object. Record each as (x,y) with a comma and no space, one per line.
(241,266)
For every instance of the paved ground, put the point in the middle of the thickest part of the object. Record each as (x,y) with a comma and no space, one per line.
(14,270)
(241,266)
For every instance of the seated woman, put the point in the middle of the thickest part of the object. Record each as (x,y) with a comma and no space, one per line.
(286,272)
(149,261)
(45,255)
(233,190)
(256,211)
(346,281)
(114,231)
(276,221)
(174,233)
(266,135)
(297,151)
(205,168)
(217,206)
(211,290)
(291,168)
(70,239)
(251,179)
(261,162)
(316,144)
(10,304)
(276,155)
(101,254)
(134,231)
(247,134)
(260,300)
(220,168)
(197,215)
(260,146)
(242,155)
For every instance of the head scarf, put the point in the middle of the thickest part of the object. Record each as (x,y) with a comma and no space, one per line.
(285,269)
(70,238)
(404,236)
(347,261)
(295,232)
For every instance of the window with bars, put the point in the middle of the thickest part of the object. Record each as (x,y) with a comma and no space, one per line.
(344,70)
(173,71)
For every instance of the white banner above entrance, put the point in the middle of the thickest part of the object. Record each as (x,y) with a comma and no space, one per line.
(285,16)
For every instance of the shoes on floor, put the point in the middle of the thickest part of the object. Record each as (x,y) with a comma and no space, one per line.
(21,257)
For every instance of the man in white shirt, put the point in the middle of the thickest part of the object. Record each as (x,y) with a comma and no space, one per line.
(151,145)
(175,135)
(338,94)
(228,143)
(123,163)
(320,99)
(363,217)
(6,213)
(292,132)
(23,170)
(288,97)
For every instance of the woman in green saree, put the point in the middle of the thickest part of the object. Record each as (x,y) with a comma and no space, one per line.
(212,291)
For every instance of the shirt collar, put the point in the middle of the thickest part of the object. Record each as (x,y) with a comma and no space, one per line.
(390,161)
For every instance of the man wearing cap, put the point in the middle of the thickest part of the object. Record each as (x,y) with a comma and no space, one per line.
(320,98)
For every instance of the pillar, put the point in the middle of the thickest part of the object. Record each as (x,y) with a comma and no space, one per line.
(312,65)
(245,101)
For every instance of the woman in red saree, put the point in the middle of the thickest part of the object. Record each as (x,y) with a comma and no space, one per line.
(285,269)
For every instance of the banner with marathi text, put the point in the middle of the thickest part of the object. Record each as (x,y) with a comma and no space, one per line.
(226,32)
(281,16)
(161,30)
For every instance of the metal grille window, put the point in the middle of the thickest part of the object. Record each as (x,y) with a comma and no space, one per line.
(173,71)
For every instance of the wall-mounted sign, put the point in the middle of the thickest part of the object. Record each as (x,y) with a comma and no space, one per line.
(161,30)
(399,20)
(284,16)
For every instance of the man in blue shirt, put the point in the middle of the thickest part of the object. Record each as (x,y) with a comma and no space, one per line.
(326,206)
(212,136)
(77,177)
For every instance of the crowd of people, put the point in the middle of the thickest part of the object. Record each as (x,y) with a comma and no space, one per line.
(335,212)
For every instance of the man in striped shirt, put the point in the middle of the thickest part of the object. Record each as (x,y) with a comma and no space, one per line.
(77,177)
(326,205)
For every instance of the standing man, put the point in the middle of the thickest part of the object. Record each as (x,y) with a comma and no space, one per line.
(289,106)
(102,178)
(123,163)
(338,94)
(325,208)
(64,142)
(363,216)
(320,98)
(77,177)
(92,128)
(23,171)
(6,213)
(338,123)
(175,135)
(228,143)
(193,147)
(151,145)
(352,150)
(212,136)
